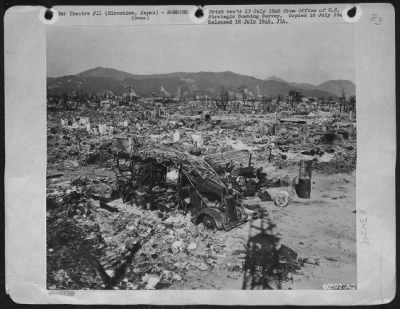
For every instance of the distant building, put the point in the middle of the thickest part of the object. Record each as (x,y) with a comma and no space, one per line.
(83,121)
(105,103)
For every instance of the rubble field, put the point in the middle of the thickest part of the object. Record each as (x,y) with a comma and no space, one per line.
(98,238)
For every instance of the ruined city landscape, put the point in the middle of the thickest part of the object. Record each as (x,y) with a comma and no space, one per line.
(206,180)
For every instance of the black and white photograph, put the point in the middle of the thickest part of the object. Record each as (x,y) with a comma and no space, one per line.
(201,157)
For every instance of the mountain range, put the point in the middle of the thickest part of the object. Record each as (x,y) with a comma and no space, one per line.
(99,80)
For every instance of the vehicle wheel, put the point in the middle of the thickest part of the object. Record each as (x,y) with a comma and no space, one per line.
(209,222)
(281,200)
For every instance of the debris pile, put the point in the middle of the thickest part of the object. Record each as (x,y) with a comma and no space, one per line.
(171,244)
(135,193)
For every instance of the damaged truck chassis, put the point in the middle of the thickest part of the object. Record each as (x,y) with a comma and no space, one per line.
(200,190)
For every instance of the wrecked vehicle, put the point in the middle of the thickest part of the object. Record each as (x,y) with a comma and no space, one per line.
(200,190)
(210,200)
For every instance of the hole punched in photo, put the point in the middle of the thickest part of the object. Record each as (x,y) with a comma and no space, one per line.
(48,14)
(199,12)
(352,12)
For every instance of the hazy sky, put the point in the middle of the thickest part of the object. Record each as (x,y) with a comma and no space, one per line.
(297,53)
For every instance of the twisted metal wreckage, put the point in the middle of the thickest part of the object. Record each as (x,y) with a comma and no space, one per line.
(213,200)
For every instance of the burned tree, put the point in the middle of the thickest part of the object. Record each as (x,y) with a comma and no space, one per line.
(267,104)
(294,98)
(278,102)
(243,92)
(223,99)
(352,103)
(343,103)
